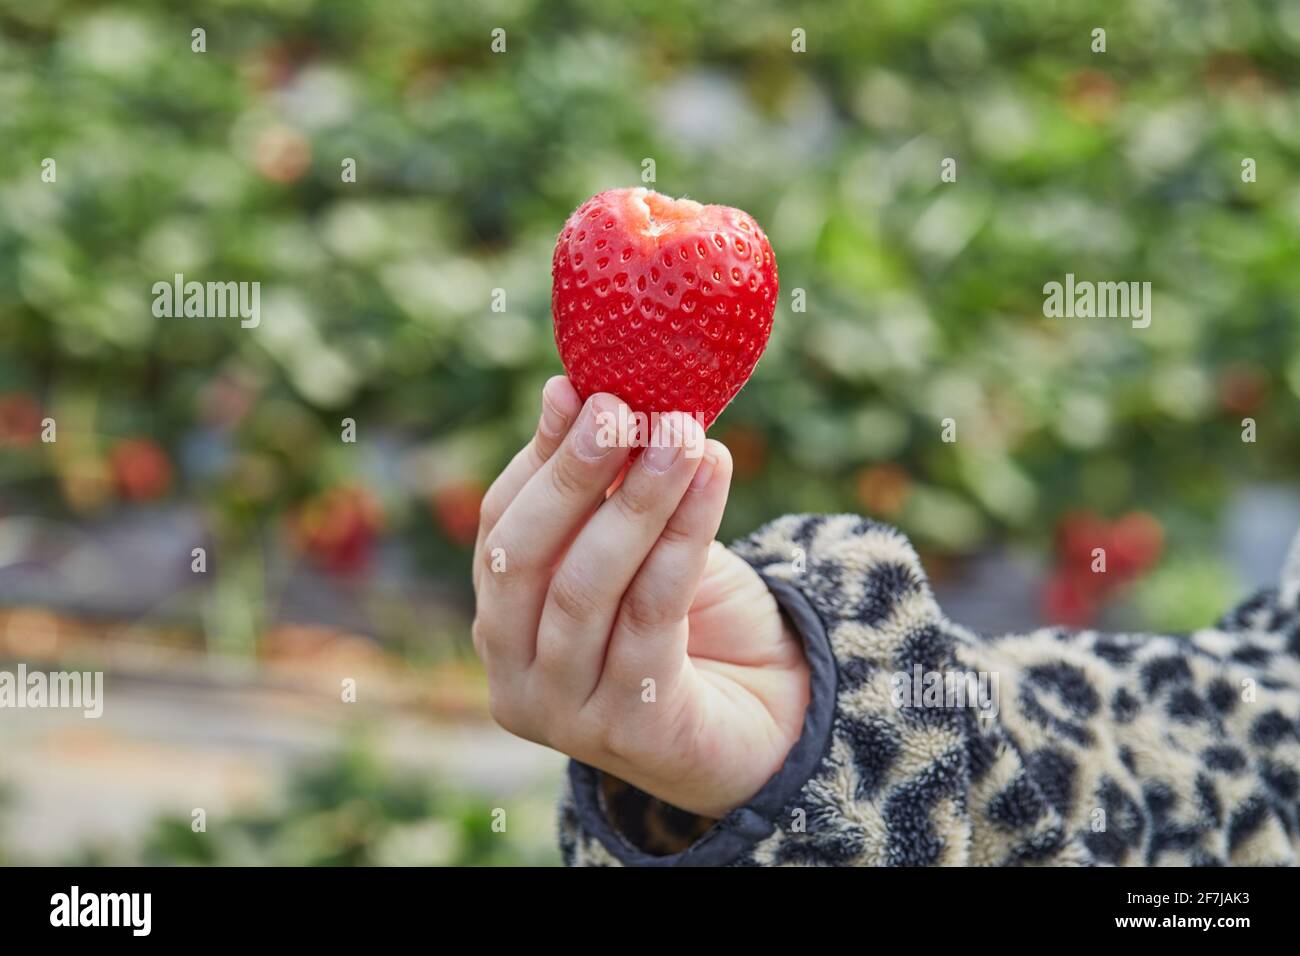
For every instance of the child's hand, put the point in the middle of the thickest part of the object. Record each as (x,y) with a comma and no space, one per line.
(583,601)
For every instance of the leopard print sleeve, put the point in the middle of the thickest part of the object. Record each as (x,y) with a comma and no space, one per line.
(927,744)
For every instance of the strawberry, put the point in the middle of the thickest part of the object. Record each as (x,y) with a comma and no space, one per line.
(884,489)
(1077,535)
(1136,541)
(20,419)
(1070,598)
(456,508)
(141,469)
(665,303)
(337,529)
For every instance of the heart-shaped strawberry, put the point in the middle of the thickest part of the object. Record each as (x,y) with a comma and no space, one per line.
(665,303)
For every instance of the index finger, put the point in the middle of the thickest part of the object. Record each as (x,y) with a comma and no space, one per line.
(560,406)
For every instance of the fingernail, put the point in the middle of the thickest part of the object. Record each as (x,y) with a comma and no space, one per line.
(704,473)
(596,430)
(665,445)
(553,420)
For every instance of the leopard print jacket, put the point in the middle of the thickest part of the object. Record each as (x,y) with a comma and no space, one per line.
(1096,749)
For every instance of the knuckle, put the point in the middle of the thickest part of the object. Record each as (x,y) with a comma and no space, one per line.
(635,503)
(570,476)
(572,598)
(676,532)
(641,611)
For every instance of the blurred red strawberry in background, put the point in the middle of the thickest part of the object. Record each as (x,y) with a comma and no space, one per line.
(1068,600)
(140,468)
(1243,388)
(883,489)
(1136,542)
(748,447)
(1077,533)
(337,529)
(455,508)
(20,419)
(1082,581)
(1090,96)
(1232,73)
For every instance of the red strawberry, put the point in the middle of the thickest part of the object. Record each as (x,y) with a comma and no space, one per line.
(1070,599)
(141,469)
(1077,535)
(337,528)
(20,419)
(456,507)
(884,489)
(1136,541)
(663,302)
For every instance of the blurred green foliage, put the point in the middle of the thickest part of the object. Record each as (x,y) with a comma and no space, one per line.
(924,299)
(351,809)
